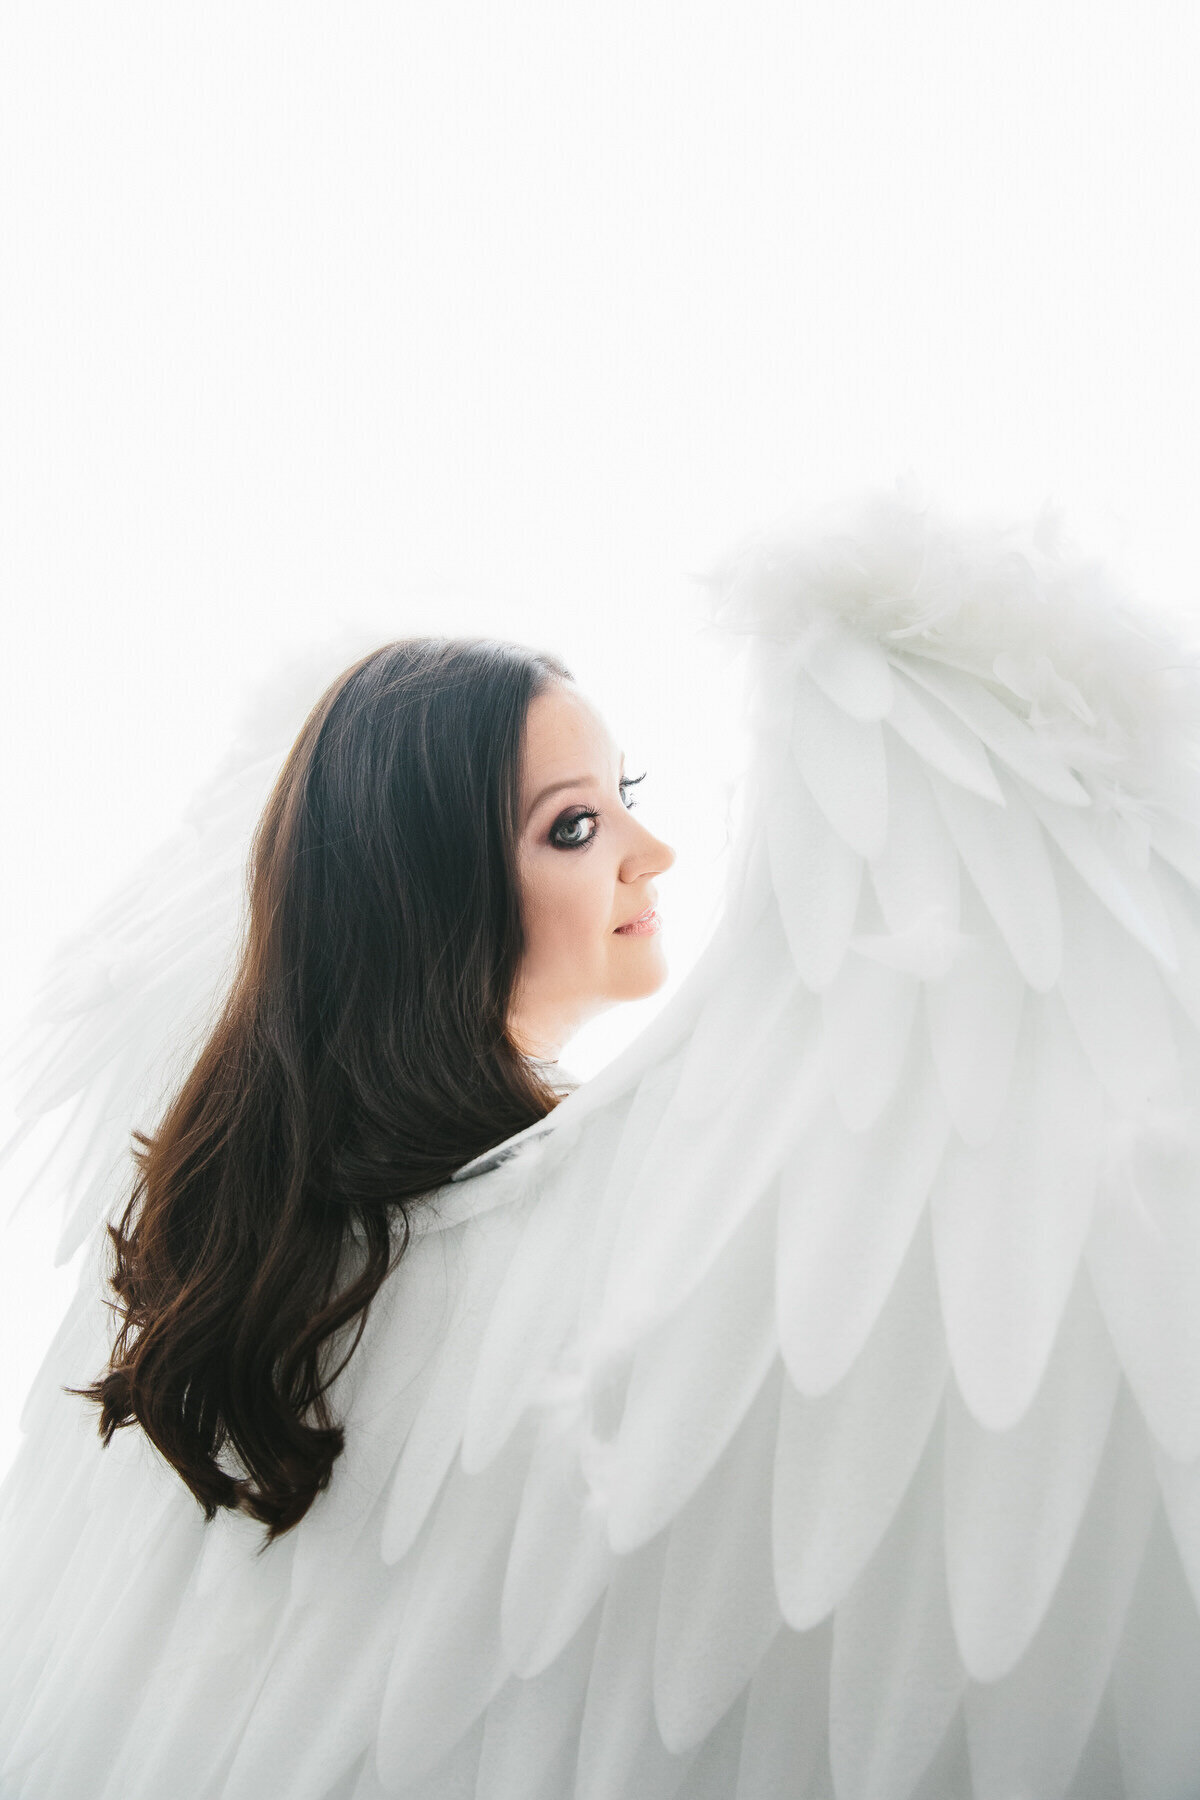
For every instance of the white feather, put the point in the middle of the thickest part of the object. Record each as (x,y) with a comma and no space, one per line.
(850,669)
(1156,1677)
(718,1611)
(1114,994)
(817,876)
(531,1315)
(531,1730)
(1014,1498)
(889,1710)
(620,1750)
(940,739)
(867,1017)
(1010,1219)
(785,1732)
(841,761)
(1028,1730)
(435,1438)
(691,1385)
(1176,838)
(1181,903)
(1005,854)
(916,873)
(973,1016)
(849,1205)
(448,1661)
(559,1561)
(1128,891)
(1000,728)
(1143,1256)
(844,1460)
(710,1176)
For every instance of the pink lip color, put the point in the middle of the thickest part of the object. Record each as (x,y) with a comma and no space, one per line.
(645,925)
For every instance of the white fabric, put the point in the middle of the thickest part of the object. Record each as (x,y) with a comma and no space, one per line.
(809,1407)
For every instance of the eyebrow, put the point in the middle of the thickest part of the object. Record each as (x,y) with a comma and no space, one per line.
(579,781)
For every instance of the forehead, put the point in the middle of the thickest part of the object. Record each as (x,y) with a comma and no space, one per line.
(564,733)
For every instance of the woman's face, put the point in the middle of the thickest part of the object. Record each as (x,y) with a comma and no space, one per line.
(581,877)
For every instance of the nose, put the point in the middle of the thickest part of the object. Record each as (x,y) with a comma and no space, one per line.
(665,856)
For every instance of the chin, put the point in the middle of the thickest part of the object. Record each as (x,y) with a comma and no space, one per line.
(655,977)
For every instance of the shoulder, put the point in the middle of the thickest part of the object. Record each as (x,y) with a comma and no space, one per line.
(494,1175)
(501,1153)
(565,1084)
(487,1181)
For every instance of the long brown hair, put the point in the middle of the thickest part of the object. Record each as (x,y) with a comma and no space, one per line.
(361,1057)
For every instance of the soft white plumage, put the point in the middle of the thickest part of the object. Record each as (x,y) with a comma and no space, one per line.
(809,1408)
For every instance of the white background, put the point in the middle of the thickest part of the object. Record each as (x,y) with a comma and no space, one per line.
(503,318)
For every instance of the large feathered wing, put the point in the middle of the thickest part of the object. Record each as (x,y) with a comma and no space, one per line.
(128,999)
(809,1408)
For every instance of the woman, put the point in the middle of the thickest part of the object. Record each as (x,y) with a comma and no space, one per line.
(442,891)
(805,1405)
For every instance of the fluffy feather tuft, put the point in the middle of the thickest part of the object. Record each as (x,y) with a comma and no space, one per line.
(1105,681)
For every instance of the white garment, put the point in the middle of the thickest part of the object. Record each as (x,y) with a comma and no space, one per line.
(563,1081)
(555,1072)
(808,1408)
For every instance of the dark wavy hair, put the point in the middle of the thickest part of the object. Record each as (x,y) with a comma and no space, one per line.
(361,1057)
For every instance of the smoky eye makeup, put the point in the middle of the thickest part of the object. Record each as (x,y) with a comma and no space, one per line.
(576,815)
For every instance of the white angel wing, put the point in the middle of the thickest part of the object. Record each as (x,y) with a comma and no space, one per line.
(128,999)
(809,1408)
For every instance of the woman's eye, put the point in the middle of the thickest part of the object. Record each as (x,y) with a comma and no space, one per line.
(589,812)
(566,824)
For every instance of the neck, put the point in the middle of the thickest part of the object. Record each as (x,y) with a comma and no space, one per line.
(540,1051)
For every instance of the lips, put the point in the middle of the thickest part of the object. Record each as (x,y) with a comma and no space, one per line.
(639,918)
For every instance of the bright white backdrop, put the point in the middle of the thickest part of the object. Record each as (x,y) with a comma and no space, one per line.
(503,318)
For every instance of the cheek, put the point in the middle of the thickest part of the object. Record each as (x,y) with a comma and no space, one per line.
(567,904)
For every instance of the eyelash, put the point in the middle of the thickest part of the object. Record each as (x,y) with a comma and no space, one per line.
(591,812)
